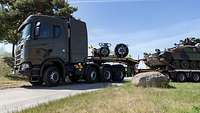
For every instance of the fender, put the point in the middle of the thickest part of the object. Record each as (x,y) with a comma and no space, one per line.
(52,61)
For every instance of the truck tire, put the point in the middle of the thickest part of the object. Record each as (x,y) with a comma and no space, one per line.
(118,73)
(91,74)
(51,76)
(105,73)
(195,77)
(104,51)
(121,50)
(181,77)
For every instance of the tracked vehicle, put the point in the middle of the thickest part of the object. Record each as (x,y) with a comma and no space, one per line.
(181,63)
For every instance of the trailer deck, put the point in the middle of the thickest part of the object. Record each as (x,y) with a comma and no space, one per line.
(129,62)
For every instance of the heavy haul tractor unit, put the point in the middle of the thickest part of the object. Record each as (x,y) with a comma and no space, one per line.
(181,63)
(53,48)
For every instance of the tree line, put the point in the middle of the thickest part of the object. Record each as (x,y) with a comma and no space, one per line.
(14,12)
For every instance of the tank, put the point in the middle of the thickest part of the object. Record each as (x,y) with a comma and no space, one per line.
(184,55)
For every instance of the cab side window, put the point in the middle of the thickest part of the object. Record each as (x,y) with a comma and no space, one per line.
(57,31)
(42,30)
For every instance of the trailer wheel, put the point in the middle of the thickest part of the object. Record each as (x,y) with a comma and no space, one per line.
(181,77)
(51,76)
(105,73)
(118,73)
(195,77)
(91,74)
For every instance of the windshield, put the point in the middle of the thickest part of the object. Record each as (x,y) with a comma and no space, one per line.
(25,32)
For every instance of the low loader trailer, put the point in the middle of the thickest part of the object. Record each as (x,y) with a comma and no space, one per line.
(52,48)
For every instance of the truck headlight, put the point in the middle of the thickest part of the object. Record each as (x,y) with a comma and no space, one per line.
(25,66)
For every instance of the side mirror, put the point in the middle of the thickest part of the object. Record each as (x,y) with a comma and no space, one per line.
(37,31)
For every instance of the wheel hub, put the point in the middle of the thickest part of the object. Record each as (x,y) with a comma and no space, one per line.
(107,75)
(93,75)
(196,77)
(182,77)
(121,50)
(54,76)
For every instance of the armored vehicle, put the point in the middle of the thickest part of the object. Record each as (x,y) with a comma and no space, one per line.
(52,49)
(181,63)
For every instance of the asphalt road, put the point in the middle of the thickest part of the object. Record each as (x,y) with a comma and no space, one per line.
(16,99)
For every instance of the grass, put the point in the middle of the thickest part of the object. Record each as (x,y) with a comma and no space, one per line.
(6,80)
(184,98)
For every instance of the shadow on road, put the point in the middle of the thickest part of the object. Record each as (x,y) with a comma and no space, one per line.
(76,86)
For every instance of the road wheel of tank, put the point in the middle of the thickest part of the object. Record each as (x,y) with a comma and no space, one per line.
(181,77)
(105,73)
(185,64)
(176,64)
(91,74)
(195,77)
(51,76)
(193,65)
(118,73)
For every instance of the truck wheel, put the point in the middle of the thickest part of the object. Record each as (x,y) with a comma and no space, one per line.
(195,77)
(105,73)
(91,74)
(51,76)
(181,77)
(118,73)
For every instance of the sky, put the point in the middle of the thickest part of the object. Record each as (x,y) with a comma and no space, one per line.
(143,25)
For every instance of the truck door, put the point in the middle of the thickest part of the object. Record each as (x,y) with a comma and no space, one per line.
(60,42)
(41,46)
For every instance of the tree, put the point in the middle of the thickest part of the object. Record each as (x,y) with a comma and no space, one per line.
(14,12)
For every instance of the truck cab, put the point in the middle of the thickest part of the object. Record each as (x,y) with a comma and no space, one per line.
(49,40)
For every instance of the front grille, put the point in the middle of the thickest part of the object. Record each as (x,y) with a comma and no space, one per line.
(17,62)
(18,52)
(18,57)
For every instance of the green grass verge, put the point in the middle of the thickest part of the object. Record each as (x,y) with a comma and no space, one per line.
(184,98)
(6,80)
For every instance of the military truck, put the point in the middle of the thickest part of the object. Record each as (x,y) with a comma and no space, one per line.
(181,63)
(53,48)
